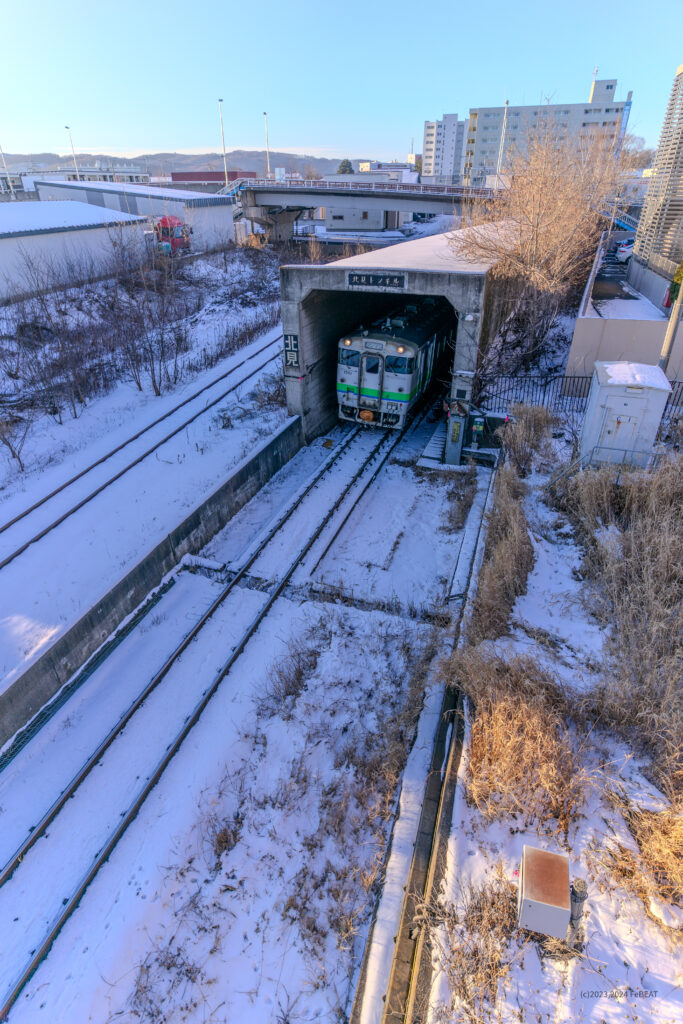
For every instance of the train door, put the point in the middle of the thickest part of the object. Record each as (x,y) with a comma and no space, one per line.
(371,375)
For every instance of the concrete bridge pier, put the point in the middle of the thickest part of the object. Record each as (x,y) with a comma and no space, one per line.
(279,222)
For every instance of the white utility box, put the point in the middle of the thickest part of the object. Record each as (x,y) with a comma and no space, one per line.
(624,410)
(543,902)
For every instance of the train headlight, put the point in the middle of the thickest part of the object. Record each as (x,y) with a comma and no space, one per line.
(347,341)
(400,349)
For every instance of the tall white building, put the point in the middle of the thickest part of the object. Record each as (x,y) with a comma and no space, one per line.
(469,151)
(493,133)
(658,247)
(443,150)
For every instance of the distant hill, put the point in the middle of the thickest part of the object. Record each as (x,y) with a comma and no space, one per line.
(164,163)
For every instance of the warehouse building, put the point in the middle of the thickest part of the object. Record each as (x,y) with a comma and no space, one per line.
(209,216)
(43,245)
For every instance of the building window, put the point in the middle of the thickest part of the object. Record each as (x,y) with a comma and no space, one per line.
(364,215)
(337,216)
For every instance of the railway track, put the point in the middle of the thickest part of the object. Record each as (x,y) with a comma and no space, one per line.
(28,867)
(81,502)
(406,999)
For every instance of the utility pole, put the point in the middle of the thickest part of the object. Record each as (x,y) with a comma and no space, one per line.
(670,335)
(9,180)
(225,165)
(73,151)
(267,147)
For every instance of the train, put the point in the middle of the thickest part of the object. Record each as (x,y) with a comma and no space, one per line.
(382,370)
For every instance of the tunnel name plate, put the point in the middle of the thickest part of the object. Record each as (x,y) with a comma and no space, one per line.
(291,349)
(360,280)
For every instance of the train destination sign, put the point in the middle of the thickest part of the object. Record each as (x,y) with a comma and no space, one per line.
(291,349)
(362,280)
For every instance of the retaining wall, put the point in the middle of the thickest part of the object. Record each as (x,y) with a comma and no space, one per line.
(48,674)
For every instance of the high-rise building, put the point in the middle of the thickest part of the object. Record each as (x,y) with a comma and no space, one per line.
(658,246)
(443,150)
(493,133)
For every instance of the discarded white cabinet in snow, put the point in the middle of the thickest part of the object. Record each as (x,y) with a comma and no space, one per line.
(543,903)
(625,407)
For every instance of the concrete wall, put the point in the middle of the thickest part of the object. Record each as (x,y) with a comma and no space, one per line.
(46,676)
(638,341)
(29,263)
(650,284)
(318,306)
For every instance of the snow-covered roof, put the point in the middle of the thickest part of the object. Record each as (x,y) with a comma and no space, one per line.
(433,253)
(124,188)
(29,218)
(632,375)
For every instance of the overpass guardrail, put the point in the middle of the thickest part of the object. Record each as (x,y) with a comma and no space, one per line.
(400,187)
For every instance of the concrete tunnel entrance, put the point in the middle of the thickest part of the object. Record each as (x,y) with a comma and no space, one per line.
(325,316)
(321,303)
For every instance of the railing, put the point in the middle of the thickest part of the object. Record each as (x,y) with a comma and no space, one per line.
(405,188)
(602,457)
(559,393)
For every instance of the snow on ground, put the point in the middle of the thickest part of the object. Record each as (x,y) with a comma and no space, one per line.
(243,889)
(222,294)
(56,580)
(630,968)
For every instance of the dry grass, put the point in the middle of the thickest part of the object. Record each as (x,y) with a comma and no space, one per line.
(633,534)
(508,560)
(288,675)
(471,943)
(656,873)
(526,435)
(522,758)
(460,496)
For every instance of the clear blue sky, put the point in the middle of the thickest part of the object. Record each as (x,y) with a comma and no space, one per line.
(337,77)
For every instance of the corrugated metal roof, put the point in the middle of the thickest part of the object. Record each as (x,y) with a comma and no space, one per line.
(178,195)
(30,218)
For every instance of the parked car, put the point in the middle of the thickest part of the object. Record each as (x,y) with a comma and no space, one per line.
(625,250)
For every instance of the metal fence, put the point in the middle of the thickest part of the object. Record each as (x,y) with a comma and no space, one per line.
(561,394)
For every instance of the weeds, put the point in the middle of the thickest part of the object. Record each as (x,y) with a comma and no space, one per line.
(526,435)
(633,536)
(288,676)
(459,497)
(508,560)
(470,939)
(522,758)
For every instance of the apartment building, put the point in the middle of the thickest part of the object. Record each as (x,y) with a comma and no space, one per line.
(443,150)
(493,133)
(658,246)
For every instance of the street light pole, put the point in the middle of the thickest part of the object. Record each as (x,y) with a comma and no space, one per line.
(670,335)
(225,165)
(73,151)
(267,147)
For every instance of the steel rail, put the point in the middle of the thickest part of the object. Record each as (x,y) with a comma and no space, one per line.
(129,816)
(66,794)
(117,476)
(134,437)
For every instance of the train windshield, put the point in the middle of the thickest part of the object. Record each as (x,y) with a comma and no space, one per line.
(399,364)
(347,357)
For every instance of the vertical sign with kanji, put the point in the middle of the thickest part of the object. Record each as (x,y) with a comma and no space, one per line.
(291,350)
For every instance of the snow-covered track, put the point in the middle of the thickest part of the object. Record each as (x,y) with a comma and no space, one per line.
(139,458)
(26,867)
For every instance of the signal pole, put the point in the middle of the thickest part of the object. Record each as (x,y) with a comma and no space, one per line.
(73,151)
(267,147)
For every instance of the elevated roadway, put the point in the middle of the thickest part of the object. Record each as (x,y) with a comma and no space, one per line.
(277,204)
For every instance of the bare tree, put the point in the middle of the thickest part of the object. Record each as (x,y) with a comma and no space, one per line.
(14,430)
(539,234)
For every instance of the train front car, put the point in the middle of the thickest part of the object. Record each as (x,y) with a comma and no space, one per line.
(382,371)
